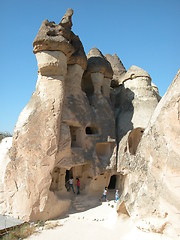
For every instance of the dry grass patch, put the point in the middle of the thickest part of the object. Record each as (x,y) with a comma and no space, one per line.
(20,232)
(52,225)
(27,229)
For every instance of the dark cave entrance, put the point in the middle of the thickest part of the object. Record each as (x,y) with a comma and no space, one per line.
(68,175)
(91,130)
(112,183)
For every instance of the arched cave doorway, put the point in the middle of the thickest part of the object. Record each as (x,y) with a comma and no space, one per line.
(112,183)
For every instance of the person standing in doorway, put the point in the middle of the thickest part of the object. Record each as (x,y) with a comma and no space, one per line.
(71,184)
(78,185)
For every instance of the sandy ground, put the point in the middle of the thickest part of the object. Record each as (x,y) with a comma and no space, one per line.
(99,222)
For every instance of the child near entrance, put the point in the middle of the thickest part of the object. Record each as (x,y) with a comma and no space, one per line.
(116,195)
(104,196)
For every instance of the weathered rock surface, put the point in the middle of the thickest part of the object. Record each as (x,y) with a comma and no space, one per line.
(151,194)
(59,37)
(135,101)
(36,137)
(118,69)
(98,63)
(60,133)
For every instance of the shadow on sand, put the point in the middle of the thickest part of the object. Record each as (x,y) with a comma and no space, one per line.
(84,202)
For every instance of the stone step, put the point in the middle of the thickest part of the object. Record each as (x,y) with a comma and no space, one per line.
(81,209)
(79,204)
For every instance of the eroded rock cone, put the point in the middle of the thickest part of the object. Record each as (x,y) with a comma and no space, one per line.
(98,63)
(118,68)
(136,100)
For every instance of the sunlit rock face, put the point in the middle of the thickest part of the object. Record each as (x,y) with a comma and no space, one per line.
(35,143)
(63,131)
(36,135)
(151,193)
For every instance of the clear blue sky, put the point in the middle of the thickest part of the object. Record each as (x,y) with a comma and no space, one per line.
(145,33)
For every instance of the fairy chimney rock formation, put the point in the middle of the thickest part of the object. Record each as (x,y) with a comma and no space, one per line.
(118,68)
(136,100)
(100,71)
(36,135)
(60,132)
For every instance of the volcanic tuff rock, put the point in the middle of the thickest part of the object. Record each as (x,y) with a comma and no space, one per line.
(60,133)
(118,68)
(59,37)
(135,101)
(152,196)
(98,63)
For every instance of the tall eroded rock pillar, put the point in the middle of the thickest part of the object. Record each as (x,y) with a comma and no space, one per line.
(136,101)
(36,136)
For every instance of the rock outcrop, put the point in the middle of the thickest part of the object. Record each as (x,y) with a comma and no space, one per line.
(151,193)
